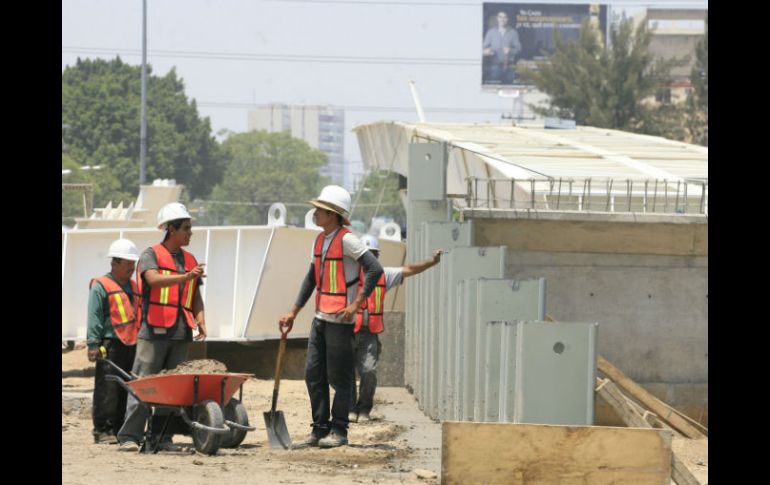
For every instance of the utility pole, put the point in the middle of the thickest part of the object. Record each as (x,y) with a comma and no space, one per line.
(143,127)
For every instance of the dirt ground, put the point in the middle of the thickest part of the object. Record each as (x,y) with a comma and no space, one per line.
(393,450)
(402,447)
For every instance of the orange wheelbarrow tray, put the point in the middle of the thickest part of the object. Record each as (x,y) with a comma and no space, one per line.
(177,391)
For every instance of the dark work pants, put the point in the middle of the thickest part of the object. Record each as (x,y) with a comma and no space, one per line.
(330,363)
(109,401)
(152,356)
(366,347)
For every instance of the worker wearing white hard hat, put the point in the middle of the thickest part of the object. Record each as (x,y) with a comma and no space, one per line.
(169,280)
(370,323)
(334,275)
(111,334)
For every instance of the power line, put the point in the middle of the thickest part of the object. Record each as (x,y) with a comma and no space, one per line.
(398,109)
(251,56)
(375,2)
(621,3)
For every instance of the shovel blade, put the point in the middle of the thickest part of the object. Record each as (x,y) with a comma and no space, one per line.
(277,433)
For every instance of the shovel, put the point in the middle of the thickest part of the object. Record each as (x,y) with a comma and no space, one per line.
(277,434)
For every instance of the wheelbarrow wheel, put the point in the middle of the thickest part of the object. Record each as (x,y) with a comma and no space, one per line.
(235,411)
(209,414)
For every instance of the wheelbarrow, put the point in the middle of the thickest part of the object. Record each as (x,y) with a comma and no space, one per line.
(218,419)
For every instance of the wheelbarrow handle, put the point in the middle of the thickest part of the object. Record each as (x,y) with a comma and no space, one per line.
(115,366)
(225,429)
(239,426)
(125,386)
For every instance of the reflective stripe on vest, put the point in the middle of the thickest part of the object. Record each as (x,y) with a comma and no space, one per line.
(123,309)
(164,304)
(331,287)
(374,303)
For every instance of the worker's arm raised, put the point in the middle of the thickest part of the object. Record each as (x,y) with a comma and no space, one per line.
(419,267)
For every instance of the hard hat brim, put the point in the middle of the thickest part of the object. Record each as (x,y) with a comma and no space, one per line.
(129,257)
(162,226)
(331,207)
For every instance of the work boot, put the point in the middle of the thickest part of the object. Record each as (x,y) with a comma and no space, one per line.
(105,437)
(333,440)
(168,446)
(353,417)
(363,417)
(128,446)
(310,440)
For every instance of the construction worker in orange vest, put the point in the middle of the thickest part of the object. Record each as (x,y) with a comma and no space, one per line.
(334,274)
(169,279)
(369,324)
(111,334)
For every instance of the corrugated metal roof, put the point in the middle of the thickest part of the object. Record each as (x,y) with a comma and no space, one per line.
(524,152)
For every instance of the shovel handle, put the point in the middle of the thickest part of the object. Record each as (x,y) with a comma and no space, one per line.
(278,366)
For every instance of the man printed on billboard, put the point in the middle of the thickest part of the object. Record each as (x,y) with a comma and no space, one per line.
(501,45)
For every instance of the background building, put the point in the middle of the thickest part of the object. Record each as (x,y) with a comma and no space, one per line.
(322,127)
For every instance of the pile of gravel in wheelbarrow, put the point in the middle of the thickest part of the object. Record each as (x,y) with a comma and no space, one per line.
(202,366)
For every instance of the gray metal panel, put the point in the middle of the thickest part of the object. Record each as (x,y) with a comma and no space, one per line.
(461,263)
(427,165)
(555,373)
(466,356)
(435,235)
(506,301)
(499,304)
(419,211)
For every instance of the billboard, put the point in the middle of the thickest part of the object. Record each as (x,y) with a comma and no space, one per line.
(518,34)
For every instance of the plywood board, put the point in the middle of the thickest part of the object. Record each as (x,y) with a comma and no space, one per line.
(519,454)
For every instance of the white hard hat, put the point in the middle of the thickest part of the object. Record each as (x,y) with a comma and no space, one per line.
(371,242)
(123,249)
(172,212)
(335,199)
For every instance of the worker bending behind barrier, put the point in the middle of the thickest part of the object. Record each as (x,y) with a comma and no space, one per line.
(111,334)
(169,279)
(334,274)
(369,324)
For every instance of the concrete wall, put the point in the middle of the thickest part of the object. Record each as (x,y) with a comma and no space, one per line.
(259,358)
(645,282)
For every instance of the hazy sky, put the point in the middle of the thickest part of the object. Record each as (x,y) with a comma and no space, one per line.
(226,50)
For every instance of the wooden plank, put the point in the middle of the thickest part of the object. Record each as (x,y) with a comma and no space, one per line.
(630,415)
(608,391)
(648,400)
(680,473)
(651,417)
(537,454)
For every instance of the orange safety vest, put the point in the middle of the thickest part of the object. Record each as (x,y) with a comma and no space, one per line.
(123,309)
(165,303)
(374,303)
(331,288)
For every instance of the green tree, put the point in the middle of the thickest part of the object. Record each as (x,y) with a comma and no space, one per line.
(263,168)
(101,107)
(378,197)
(608,87)
(698,101)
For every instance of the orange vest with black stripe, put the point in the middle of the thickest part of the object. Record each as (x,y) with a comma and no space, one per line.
(165,303)
(123,309)
(331,287)
(374,304)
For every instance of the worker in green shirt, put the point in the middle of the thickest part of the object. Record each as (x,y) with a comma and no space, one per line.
(112,308)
